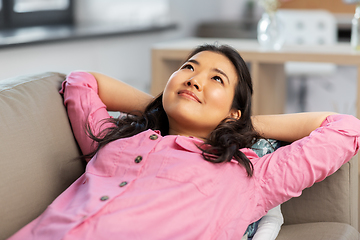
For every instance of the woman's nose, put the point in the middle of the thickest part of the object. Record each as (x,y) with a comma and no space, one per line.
(193,82)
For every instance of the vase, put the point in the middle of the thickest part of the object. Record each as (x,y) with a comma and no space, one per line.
(355,29)
(270,31)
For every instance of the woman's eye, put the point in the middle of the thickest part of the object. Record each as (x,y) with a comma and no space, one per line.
(188,66)
(218,79)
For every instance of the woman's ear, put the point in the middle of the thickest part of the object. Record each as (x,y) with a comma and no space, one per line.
(235,113)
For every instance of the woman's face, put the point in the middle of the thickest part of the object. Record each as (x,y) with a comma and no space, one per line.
(199,95)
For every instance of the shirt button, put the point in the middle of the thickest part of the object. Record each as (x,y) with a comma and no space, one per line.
(104,198)
(153,137)
(138,159)
(123,184)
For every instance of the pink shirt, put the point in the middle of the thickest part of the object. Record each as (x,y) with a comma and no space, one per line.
(154,187)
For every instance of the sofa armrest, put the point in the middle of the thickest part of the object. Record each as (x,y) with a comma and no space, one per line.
(37,148)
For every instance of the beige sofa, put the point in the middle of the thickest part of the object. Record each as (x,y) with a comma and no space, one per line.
(38,161)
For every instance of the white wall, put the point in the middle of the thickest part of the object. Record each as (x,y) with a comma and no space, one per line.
(124,57)
(129,57)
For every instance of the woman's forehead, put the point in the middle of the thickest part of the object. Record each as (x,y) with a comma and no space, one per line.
(215,60)
(207,53)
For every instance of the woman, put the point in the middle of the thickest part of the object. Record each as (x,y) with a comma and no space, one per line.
(182,168)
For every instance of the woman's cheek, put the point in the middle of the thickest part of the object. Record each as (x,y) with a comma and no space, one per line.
(219,98)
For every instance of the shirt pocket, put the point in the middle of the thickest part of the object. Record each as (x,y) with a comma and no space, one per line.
(191,168)
(109,160)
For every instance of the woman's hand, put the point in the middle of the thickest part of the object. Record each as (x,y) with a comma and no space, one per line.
(288,127)
(119,96)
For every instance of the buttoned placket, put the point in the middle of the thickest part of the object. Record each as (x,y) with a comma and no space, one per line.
(137,161)
(120,184)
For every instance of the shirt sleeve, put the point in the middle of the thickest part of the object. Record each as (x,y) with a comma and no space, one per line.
(284,173)
(84,106)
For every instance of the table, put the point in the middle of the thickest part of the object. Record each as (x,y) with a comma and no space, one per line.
(266,66)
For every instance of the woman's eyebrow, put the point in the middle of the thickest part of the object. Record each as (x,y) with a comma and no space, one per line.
(222,73)
(194,61)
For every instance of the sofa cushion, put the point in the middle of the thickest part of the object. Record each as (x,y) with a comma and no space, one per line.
(318,231)
(37,148)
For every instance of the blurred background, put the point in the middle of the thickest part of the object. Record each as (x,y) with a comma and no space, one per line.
(115,37)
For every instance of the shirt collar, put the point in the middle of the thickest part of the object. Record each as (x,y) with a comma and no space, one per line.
(189,143)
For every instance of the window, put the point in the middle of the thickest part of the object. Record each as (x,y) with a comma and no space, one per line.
(123,11)
(24,13)
(40,5)
(1,15)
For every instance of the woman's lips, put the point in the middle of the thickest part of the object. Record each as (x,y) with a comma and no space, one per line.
(190,95)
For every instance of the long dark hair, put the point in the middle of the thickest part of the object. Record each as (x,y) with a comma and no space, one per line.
(224,141)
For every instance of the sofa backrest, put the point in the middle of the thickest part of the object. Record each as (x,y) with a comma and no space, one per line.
(38,160)
(335,199)
(37,148)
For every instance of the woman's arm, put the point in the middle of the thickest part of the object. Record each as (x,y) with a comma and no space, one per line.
(290,169)
(88,97)
(288,127)
(119,96)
